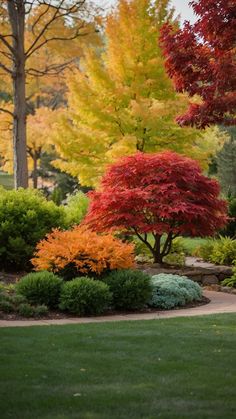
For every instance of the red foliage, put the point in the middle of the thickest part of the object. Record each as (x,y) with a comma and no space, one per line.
(200,58)
(157,193)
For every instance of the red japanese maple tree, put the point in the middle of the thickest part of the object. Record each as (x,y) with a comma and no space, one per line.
(201,59)
(164,194)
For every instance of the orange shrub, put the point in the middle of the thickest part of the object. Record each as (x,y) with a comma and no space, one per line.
(82,252)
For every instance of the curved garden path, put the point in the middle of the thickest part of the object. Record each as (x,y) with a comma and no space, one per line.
(220,303)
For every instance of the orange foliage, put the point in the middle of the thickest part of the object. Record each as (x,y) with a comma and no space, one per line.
(83,251)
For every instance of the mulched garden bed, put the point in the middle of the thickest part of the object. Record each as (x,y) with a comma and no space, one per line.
(55,315)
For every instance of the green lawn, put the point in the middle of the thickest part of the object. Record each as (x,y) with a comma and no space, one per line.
(173,368)
(191,243)
(6,180)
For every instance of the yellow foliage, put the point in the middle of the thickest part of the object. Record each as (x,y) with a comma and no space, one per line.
(121,100)
(83,250)
(38,130)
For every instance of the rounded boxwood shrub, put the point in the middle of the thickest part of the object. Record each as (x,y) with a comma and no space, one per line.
(25,217)
(169,291)
(40,288)
(85,296)
(131,289)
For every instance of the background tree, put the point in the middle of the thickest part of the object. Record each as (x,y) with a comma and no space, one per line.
(50,22)
(200,59)
(226,163)
(121,99)
(38,127)
(157,197)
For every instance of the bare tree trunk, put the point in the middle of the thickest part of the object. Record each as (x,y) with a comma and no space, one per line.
(16,11)
(35,173)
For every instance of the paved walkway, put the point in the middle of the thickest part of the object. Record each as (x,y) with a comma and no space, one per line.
(220,303)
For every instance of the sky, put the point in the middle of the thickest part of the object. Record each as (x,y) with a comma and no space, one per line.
(181,7)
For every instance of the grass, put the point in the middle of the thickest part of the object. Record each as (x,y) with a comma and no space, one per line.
(173,368)
(192,243)
(6,180)
(189,243)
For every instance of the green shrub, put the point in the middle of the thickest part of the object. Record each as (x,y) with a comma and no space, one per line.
(6,306)
(84,295)
(221,251)
(169,291)
(26,310)
(130,289)
(17,299)
(25,217)
(41,288)
(204,251)
(41,310)
(76,208)
(176,255)
(224,251)
(231,282)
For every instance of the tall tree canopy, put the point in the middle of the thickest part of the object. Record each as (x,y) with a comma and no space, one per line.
(121,99)
(200,58)
(29,29)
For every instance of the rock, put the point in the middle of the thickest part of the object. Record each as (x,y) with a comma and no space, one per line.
(227,289)
(210,279)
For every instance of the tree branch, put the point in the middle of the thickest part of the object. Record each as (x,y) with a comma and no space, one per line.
(56,38)
(7,111)
(6,43)
(6,69)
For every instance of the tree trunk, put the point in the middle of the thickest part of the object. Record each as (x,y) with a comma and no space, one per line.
(158,258)
(35,173)
(17,19)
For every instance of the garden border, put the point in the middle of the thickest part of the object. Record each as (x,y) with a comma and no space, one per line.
(219,303)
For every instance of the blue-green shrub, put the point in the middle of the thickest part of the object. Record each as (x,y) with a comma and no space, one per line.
(130,289)
(25,217)
(169,291)
(84,295)
(41,288)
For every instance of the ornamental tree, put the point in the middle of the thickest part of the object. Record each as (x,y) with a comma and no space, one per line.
(157,197)
(200,58)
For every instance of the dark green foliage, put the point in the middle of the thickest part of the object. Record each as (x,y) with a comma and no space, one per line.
(231,282)
(131,289)
(41,310)
(85,296)
(25,218)
(26,310)
(41,288)
(226,163)
(230,229)
(6,306)
(170,291)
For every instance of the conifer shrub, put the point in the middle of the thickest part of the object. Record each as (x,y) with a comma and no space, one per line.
(85,296)
(170,291)
(80,252)
(130,289)
(40,288)
(25,217)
